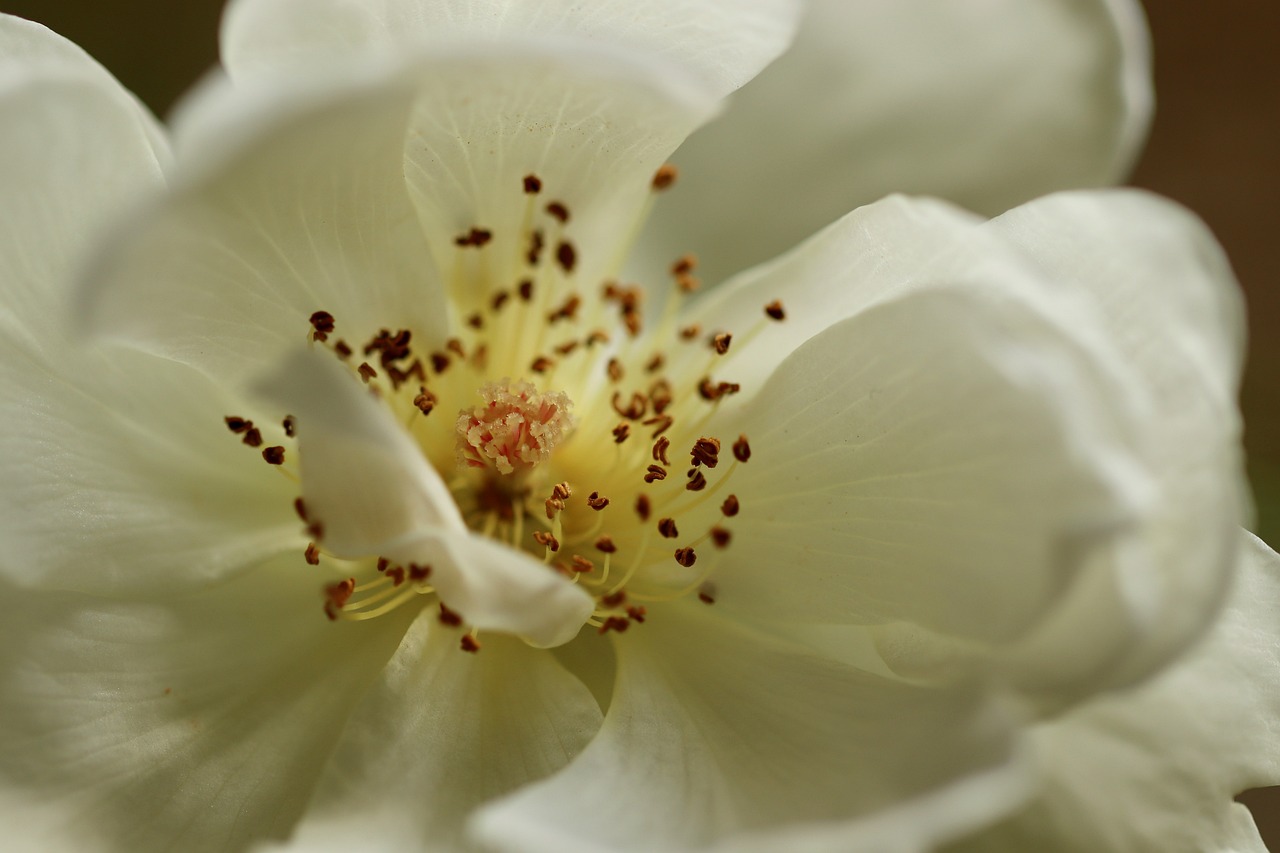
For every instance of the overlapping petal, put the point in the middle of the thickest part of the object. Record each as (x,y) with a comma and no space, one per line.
(1158,767)
(986,104)
(198,722)
(715,732)
(722,42)
(118,473)
(440,734)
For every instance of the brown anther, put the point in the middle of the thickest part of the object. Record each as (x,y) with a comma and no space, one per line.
(566,256)
(690,332)
(300,507)
(635,408)
(712,391)
(468,643)
(774,310)
(565,348)
(688,283)
(697,482)
(557,211)
(660,450)
(343,349)
(316,530)
(366,371)
(532,184)
(597,336)
(643,507)
(253,437)
(439,362)
(536,244)
(667,527)
(567,311)
(655,364)
(631,319)
(615,623)
(637,613)
(448,617)
(597,501)
(605,545)
(561,491)
(338,594)
(544,537)
(741,450)
(664,177)
(425,400)
(238,425)
(396,573)
(720,536)
(554,505)
(419,573)
(383,562)
(720,343)
(480,357)
(614,369)
(661,395)
(476,321)
(498,300)
(290,425)
(707,593)
(706,451)
(321,325)
(656,472)
(730,506)
(684,265)
(620,433)
(525,289)
(454,346)
(662,422)
(582,565)
(475,237)
(274,455)
(541,364)
(312,554)
(686,557)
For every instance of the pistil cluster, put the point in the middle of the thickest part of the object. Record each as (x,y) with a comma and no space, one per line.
(563,426)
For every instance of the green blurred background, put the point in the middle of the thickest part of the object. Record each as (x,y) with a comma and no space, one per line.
(1215,147)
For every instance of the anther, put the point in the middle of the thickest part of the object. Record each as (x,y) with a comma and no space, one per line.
(667,527)
(690,332)
(300,507)
(274,455)
(566,256)
(419,573)
(643,507)
(383,563)
(468,643)
(720,536)
(545,538)
(561,491)
(499,299)
(567,311)
(684,265)
(396,573)
(614,369)
(655,364)
(525,289)
(697,482)
(741,450)
(605,545)
(637,613)
(706,451)
(425,400)
(582,565)
(661,396)
(475,237)
(448,617)
(707,593)
(660,450)
(662,422)
(290,425)
(238,425)
(597,501)
(656,472)
(532,184)
(554,506)
(686,557)
(476,321)
(536,244)
(565,348)
(439,362)
(454,346)
(615,623)
(730,506)
(720,343)
(366,371)
(620,433)
(635,407)
(664,177)
(557,211)
(253,437)
(613,599)
(321,325)
(312,554)
(774,310)
(541,364)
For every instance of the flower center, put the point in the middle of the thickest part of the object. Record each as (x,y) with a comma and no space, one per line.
(576,461)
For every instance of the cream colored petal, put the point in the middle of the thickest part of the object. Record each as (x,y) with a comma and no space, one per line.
(117,470)
(194,723)
(988,104)
(718,734)
(722,42)
(442,733)
(936,460)
(1157,768)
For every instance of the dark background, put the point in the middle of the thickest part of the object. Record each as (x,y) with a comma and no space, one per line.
(1214,147)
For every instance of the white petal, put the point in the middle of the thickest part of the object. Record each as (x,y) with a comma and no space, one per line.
(294,196)
(442,733)
(1158,768)
(934,460)
(363,478)
(725,43)
(197,723)
(715,731)
(1162,293)
(117,470)
(988,104)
